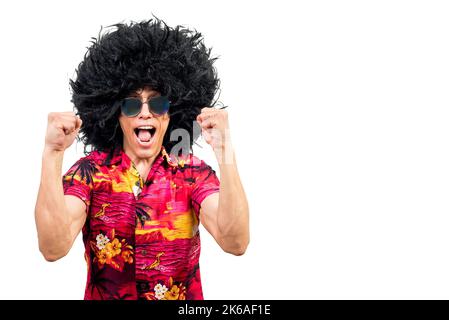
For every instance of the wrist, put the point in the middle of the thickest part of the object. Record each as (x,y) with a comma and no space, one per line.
(225,154)
(52,153)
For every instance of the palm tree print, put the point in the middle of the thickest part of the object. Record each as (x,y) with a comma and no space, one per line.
(86,170)
(142,213)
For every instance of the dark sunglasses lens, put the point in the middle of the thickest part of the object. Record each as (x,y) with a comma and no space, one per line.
(160,105)
(131,107)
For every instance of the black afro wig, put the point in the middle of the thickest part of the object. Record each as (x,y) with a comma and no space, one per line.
(174,62)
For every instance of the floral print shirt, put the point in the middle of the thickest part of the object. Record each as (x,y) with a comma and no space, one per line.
(141,237)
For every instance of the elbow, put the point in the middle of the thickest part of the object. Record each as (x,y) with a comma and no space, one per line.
(51,258)
(53,254)
(240,251)
(237,248)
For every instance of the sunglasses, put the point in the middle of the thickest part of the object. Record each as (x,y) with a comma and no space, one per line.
(131,107)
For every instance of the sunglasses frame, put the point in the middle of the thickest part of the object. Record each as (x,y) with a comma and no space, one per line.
(148,101)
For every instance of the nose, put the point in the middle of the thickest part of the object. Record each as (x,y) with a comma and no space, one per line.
(145,111)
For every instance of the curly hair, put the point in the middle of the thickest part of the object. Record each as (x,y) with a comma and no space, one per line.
(173,61)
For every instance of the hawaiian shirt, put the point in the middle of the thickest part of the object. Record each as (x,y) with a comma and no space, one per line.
(141,237)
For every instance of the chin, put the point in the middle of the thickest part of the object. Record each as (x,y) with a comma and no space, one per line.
(146,153)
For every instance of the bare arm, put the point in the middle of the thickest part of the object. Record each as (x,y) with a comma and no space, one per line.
(225,214)
(59,218)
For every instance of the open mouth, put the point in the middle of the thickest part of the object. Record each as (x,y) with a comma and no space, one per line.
(145,133)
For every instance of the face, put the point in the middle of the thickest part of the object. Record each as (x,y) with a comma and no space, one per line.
(144,133)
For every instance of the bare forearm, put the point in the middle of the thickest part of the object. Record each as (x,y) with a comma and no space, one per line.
(229,219)
(233,212)
(52,220)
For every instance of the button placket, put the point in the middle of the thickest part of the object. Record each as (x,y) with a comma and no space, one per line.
(137,187)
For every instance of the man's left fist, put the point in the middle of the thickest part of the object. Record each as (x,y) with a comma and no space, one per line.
(214,127)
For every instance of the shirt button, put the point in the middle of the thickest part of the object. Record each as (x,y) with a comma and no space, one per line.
(144,252)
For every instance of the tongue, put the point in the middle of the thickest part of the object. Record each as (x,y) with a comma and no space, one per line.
(144,135)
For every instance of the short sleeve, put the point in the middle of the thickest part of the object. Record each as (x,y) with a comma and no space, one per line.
(205,183)
(78,181)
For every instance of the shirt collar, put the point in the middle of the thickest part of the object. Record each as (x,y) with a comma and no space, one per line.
(120,158)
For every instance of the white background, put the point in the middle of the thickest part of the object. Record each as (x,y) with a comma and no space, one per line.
(339,116)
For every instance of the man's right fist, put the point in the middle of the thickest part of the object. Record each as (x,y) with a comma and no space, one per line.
(62,129)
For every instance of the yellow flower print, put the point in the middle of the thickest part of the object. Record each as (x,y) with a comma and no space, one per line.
(127,256)
(176,292)
(104,256)
(172,294)
(115,253)
(114,247)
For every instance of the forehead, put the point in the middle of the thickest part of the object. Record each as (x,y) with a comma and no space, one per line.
(146,90)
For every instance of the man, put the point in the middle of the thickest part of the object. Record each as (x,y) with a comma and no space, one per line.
(137,201)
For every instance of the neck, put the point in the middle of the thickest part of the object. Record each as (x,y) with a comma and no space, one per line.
(138,161)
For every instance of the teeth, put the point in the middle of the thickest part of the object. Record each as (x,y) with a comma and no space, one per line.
(145,127)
